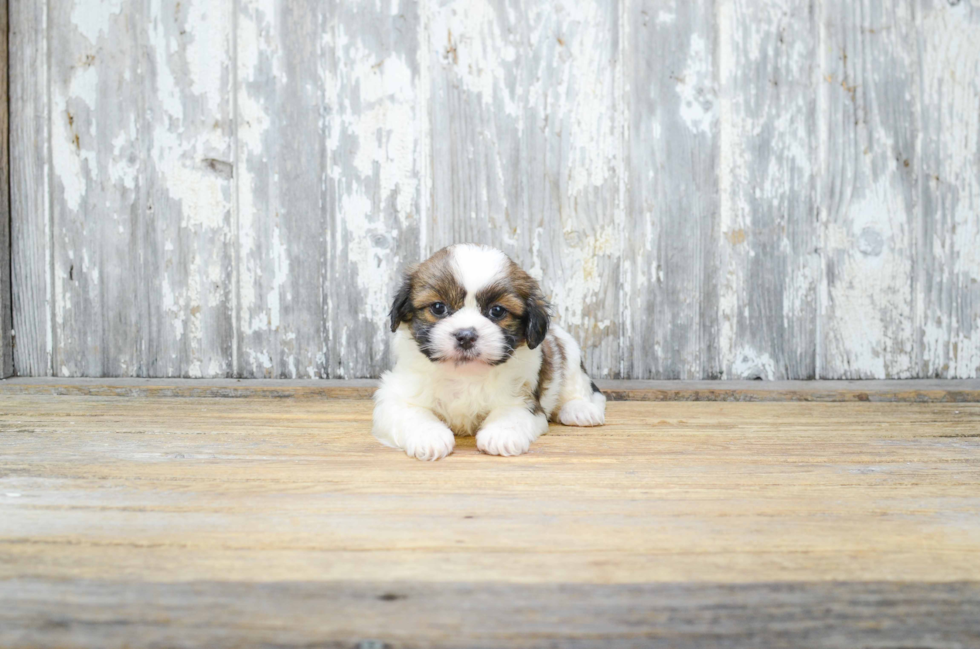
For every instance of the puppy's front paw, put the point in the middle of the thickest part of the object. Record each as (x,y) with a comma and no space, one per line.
(507,437)
(429,441)
(579,412)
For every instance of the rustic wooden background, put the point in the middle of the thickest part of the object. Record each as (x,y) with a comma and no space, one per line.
(730,189)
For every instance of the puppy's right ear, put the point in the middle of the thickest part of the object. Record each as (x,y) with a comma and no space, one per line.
(401,309)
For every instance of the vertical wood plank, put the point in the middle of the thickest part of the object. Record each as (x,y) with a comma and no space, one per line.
(283,52)
(527,150)
(95,110)
(6,322)
(30,226)
(673,189)
(767,250)
(141,191)
(573,146)
(478,52)
(187,247)
(373,176)
(867,147)
(948,250)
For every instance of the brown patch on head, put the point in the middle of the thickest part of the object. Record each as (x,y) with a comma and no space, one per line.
(527,311)
(434,280)
(425,284)
(501,292)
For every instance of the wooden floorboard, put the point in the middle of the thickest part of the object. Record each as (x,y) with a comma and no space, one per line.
(369,615)
(161,522)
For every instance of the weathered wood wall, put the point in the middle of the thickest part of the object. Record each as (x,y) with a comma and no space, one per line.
(6,313)
(708,189)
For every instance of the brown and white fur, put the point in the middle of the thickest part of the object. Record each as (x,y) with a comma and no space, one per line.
(476,354)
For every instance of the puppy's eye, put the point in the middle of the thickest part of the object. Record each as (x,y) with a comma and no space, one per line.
(497,312)
(438,309)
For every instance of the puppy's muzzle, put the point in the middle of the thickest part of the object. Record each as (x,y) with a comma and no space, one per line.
(465,338)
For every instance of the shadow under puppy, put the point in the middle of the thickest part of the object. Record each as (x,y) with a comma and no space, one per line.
(476,354)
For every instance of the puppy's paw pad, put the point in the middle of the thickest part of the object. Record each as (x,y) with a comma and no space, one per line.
(580,412)
(504,439)
(430,443)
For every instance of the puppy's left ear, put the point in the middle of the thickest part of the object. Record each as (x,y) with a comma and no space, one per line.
(536,319)
(401,308)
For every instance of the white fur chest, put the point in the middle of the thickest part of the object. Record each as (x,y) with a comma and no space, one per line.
(462,396)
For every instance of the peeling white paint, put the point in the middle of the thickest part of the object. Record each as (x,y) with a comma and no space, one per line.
(204,199)
(871,296)
(573,297)
(75,133)
(187,132)
(765,166)
(475,49)
(749,363)
(67,162)
(589,98)
(572,97)
(207,30)
(93,22)
(384,124)
(556,194)
(869,327)
(696,88)
(376,144)
(951,72)
(124,164)
(256,47)
(375,268)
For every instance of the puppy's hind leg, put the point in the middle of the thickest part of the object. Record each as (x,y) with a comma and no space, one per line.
(580,401)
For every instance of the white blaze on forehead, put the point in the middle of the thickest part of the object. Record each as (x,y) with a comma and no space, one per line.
(477,266)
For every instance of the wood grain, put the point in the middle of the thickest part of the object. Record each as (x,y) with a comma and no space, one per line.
(30,227)
(6,315)
(96,121)
(135,252)
(187,193)
(375,175)
(176,490)
(768,237)
(706,190)
(948,238)
(214,615)
(285,522)
(868,213)
(671,331)
(284,62)
(527,150)
(917,391)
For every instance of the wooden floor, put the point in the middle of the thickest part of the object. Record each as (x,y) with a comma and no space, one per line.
(188,522)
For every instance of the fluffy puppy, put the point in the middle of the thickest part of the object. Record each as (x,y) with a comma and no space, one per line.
(476,354)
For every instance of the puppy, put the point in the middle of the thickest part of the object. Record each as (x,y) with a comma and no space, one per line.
(476,354)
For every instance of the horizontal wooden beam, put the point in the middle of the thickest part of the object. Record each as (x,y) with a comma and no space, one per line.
(919,391)
(207,614)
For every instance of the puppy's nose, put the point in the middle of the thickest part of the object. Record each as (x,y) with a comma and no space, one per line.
(466,338)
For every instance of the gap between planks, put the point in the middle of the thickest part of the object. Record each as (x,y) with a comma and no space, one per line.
(896,391)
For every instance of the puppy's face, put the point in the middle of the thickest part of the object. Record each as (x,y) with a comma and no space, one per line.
(470,304)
